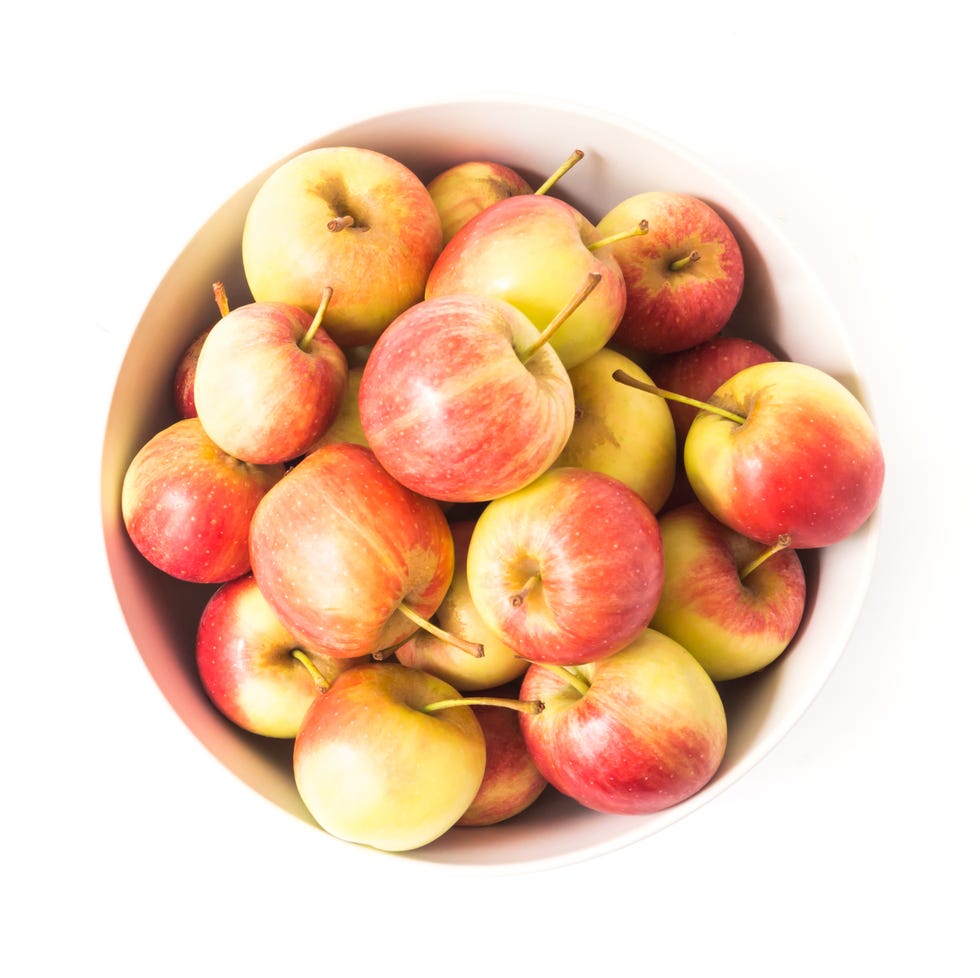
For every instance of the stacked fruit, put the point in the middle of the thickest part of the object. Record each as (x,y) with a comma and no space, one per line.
(488,501)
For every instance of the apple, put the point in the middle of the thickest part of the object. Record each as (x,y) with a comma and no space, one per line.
(533,251)
(187,505)
(620,431)
(460,401)
(733,603)
(377,765)
(786,449)
(252,667)
(346,425)
(463,190)
(269,381)
(683,278)
(349,218)
(499,663)
(350,560)
(511,780)
(567,570)
(633,734)
(183,382)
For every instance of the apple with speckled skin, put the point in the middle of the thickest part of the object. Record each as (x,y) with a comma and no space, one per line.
(683,278)
(633,734)
(349,218)
(187,505)
(567,570)
(733,603)
(797,455)
(252,667)
(349,559)
(463,190)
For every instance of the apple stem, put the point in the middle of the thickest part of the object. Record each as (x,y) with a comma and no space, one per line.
(520,597)
(682,263)
(625,378)
(522,706)
(340,223)
(638,229)
(474,649)
(560,172)
(304,343)
(321,683)
(591,281)
(781,544)
(572,678)
(221,297)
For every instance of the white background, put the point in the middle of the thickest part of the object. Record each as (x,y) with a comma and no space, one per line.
(127,850)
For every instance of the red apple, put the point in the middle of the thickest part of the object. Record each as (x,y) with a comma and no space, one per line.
(347,556)
(462,191)
(633,734)
(187,505)
(568,569)
(252,667)
(349,218)
(734,604)
(183,383)
(683,278)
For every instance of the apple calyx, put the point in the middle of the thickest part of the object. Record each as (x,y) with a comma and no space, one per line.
(679,264)
(304,343)
(584,291)
(624,378)
(522,706)
(221,298)
(560,172)
(640,228)
(782,542)
(474,649)
(318,678)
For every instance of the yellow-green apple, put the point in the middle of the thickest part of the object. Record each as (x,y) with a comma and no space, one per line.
(533,251)
(697,373)
(683,278)
(378,763)
(636,733)
(459,401)
(349,218)
(786,449)
(463,190)
(252,667)
(499,663)
(569,569)
(619,430)
(349,559)
(511,780)
(733,603)
(187,505)
(269,381)
(346,426)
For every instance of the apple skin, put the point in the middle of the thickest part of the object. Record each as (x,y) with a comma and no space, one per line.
(649,733)
(377,268)
(457,615)
(449,408)
(567,570)
(183,382)
(532,252)
(462,191)
(374,769)
(346,426)
(619,430)
(511,780)
(187,505)
(262,391)
(667,310)
(245,661)
(806,462)
(732,627)
(340,544)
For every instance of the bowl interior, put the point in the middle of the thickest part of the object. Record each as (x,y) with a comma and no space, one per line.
(783,306)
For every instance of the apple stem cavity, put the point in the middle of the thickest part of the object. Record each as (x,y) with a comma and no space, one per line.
(637,230)
(521,706)
(591,281)
(221,298)
(474,649)
(680,264)
(321,683)
(781,543)
(304,343)
(568,675)
(518,598)
(560,172)
(624,378)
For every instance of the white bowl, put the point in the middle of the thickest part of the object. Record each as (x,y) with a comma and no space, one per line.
(783,306)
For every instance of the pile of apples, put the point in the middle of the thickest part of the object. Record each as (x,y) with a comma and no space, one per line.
(488,500)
